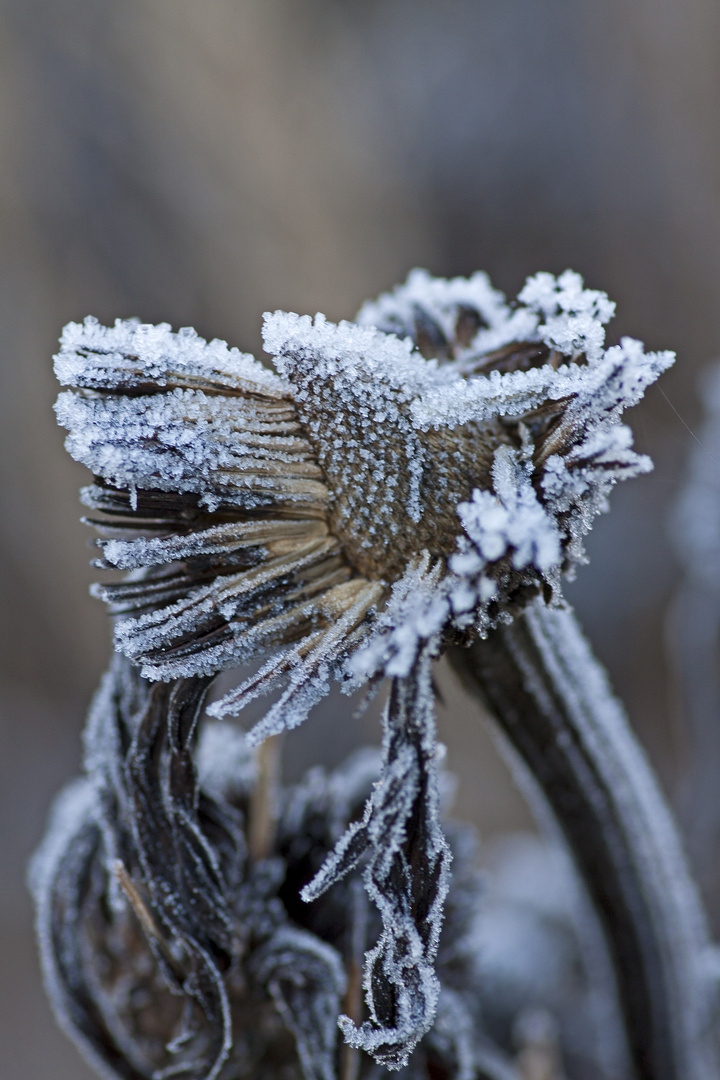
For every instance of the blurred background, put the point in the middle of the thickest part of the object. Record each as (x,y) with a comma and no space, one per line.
(199,163)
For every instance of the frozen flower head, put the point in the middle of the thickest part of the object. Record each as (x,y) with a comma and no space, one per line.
(411,477)
(399,483)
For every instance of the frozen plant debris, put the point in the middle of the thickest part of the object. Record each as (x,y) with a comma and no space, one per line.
(169,951)
(399,483)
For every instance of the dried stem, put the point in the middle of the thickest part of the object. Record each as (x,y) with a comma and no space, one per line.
(263,802)
(551,699)
(539,1057)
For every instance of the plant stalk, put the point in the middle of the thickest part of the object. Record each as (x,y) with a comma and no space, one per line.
(551,699)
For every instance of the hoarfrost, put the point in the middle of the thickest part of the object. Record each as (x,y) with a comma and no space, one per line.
(610,382)
(484,397)
(513,519)
(415,613)
(459,317)
(185,441)
(286,514)
(137,355)
(399,833)
(574,316)
(350,383)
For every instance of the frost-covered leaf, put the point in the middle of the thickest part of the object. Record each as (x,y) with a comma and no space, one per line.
(406,876)
(306,980)
(140,357)
(216,500)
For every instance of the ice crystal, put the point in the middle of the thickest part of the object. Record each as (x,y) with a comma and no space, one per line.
(404,481)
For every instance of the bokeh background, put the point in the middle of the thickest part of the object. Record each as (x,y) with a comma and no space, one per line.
(200,162)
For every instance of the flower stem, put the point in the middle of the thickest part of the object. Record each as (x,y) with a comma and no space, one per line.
(551,699)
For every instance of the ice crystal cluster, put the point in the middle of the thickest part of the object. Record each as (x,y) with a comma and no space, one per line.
(397,484)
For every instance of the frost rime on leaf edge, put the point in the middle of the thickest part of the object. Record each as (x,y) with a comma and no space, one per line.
(400,830)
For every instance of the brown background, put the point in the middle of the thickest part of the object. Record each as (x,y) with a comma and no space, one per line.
(200,161)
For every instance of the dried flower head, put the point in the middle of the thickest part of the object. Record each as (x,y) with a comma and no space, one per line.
(443,458)
(402,482)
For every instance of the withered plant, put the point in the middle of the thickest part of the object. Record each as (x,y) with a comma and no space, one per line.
(416,482)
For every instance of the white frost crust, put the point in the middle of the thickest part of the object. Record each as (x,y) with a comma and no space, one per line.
(559,311)
(199,437)
(441,298)
(485,396)
(416,612)
(347,353)
(512,520)
(183,440)
(366,377)
(574,316)
(130,352)
(607,384)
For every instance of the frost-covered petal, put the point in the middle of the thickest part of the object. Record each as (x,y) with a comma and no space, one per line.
(138,356)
